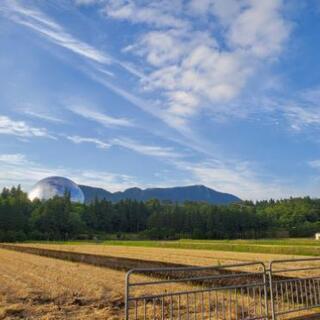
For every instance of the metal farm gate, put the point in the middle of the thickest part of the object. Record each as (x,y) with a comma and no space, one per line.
(246,291)
(294,286)
(220,292)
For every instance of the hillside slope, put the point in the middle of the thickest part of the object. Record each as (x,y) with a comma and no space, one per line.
(175,194)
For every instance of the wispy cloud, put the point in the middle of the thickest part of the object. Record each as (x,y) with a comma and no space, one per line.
(189,70)
(194,70)
(233,176)
(148,150)
(156,151)
(100,117)
(100,144)
(43,116)
(21,129)
(86,2)
(236,177)
(13,158)
(314,164)
(301,110)
(156,13)
(18,169)
(39,22)
(300,116)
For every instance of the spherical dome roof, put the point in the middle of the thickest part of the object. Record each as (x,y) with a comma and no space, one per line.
(56,186)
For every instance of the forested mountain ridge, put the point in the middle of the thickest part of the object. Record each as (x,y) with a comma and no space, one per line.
(197,193)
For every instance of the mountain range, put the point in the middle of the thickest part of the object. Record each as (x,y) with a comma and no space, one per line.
(198,193)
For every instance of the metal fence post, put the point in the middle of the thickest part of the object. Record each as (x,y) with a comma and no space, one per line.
(126,295)
(273,315)
(266,292)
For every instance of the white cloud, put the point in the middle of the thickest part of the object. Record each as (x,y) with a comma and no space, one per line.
(304,109)
(43,116)
(100,117)
(152,107)
(300,116)
(100,144)
(190,67)
(259,28)
(13,158)
(86,2)
(21,128)
(235,177)
(156,151)
(301,110)
(170,50)
(157,13)
(149,150)
(194,69)
(107,180)
(55,33)
(314,164)
(255,26)
(42,24)
(17,169)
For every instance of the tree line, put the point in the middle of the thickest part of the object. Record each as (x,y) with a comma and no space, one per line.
(60,219)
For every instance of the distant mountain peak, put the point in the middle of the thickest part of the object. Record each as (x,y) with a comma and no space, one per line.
(199,193)
(133,189)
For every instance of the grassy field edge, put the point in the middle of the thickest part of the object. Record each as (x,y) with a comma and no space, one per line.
(287,247)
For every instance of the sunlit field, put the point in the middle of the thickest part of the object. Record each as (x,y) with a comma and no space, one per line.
(34,287)
(44,288)
(306,247)
(48,288)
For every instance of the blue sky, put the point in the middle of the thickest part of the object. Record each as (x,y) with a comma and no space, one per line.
(118,93)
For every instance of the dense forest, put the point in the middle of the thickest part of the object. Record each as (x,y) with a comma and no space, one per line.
(60,219)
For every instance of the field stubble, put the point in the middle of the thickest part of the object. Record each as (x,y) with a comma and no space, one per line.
(34,287)
(192,257)
(46,288)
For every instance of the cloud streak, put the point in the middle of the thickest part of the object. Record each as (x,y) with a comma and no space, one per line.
(78,140)
(45,26)
(13,158)
(18,169)
(233,176)
(99,117)
(315,164)
(21,129)
(190,69)
(236,177)
(148,150)
(42,116)
(156,151)
(55,33)
(156,13)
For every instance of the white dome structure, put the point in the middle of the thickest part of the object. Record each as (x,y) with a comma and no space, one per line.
(56,186)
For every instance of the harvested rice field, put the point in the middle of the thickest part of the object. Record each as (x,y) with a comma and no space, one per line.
(34,287)
(192,257)
(174,255)
(38,286)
